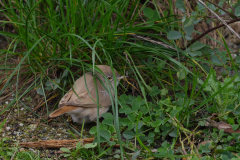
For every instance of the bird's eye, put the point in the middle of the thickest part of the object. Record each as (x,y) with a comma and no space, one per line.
(109,78)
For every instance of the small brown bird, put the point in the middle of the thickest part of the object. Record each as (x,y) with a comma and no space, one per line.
(83,106)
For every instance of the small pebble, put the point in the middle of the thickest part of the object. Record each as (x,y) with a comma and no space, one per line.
(6,102)
(20,124)
(15,110)
(32,126)
(8,128)
(44,138)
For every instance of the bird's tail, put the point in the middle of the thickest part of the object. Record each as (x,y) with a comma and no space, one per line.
(61,111)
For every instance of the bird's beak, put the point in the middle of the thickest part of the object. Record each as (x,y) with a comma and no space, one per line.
(122,77)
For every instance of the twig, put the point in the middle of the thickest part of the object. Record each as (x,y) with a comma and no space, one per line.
(223,9)
(209,30)
(32,122)
(200,1)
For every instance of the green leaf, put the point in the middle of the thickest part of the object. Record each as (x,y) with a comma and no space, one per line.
(211,6)
(131,117)
(3,123)
(151,135)
(107,115)
(237,111)
(129,111)
(148,12)
(105,134)
(103,127)
(224,157)
(173,133)
(65,150)
(237,59)
(189,22)
(201,123)
(111,129)
(136,105)
(188,38)
(108,121)
(93,130)
(235,126)
(237,5)
(139,115)
(130,125)
(140,124)
(195,53)
(197,46)
(124,121)
(164,92)
(174,35)
(156,123)
(197,21)
(40,91)
(215,59)
(180,5)
(90,145)
(181,74)
(78,145)
(230,107)
(189,30)
(230,121)
(123,98)
(146,119)
(156,130)
(64,73)
(123,109)
(200,6)
(150,22)
(128,134)
(135,155)
(155,15)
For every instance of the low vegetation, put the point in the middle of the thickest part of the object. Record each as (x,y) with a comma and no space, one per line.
(181,97)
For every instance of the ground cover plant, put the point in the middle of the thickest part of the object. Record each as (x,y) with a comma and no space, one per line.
(180,99)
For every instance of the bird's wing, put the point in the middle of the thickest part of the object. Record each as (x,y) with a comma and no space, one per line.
(81,97)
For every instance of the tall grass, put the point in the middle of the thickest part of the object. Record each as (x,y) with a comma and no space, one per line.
(57,39)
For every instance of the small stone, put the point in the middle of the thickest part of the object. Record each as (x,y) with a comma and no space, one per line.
(20,124)
(6,102)
(8,128)
(15,110)
(44,138)
(50,156)
(32,126)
